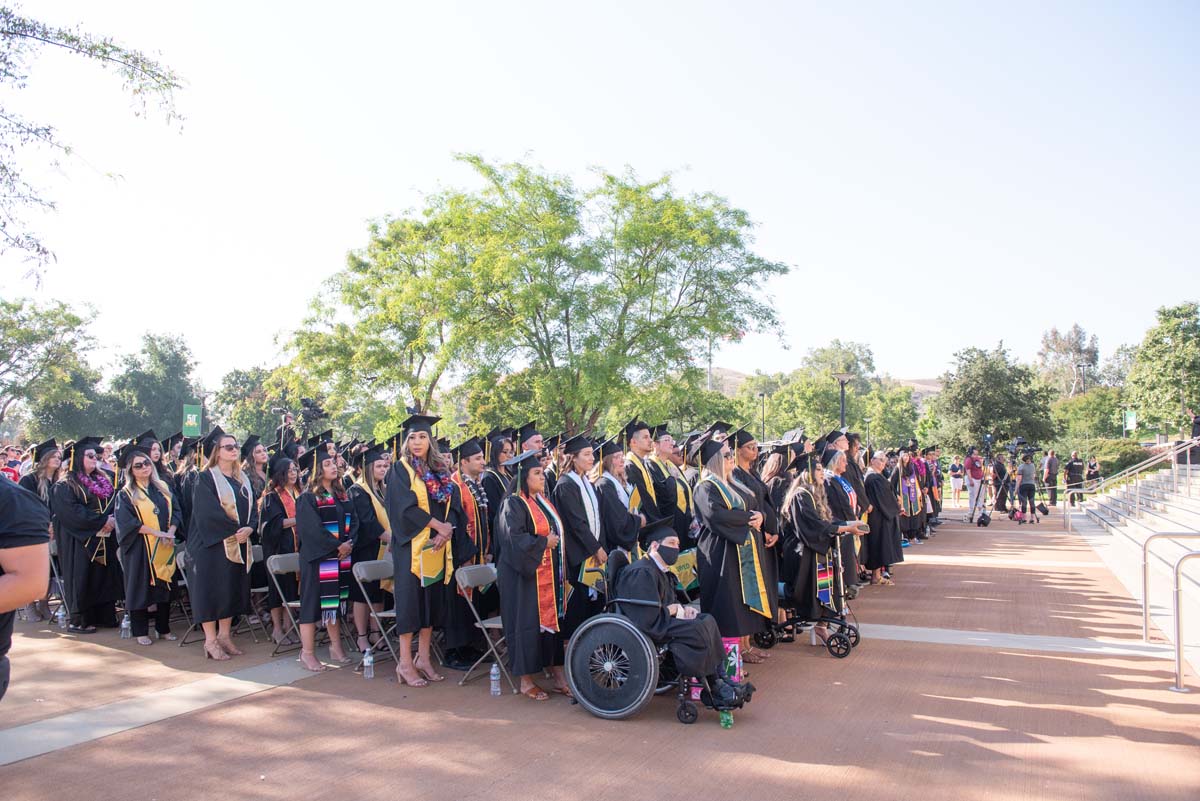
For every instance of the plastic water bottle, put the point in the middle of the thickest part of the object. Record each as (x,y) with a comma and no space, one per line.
(726,720)
(369,664)
(61,617)
(126,629)
(494,675)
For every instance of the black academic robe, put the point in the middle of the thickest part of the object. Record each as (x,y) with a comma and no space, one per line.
(91,573)
(910,525)
(530,649)
(674,500)
(29,482)
(185,490)
(495,486)
(882,546)
(759,500)
(841,509)
(459,628)
(619,526)
(722,530)
(318,545)
(366,543)
(854,474)
(806,538)
(417,607)
(695,644)
(645,500)
(277,540)
(142,588)
(777,489)
(218,587)
(580,543)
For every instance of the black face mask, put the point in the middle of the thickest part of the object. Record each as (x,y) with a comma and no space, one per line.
(668,555)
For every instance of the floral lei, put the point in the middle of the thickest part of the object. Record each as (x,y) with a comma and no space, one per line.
(438,485)
(99,485)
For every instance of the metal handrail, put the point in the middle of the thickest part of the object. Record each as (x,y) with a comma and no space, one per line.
(1177,535)
(1135,470)
(1179,688)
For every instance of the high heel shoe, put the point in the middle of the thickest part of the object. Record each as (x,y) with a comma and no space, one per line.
(215,652)
(305,656)
(229,647)
(429,673)
(411,682)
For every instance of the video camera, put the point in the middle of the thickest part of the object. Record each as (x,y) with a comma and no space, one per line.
(1019,448)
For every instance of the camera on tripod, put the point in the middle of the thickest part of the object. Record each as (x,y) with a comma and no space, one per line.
(1019,448)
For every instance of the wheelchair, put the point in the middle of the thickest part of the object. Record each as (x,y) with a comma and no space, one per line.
(613,669)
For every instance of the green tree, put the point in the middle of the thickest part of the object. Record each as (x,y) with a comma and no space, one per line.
(989,392)
(147,81)
(244,402)
(892,411)
(1165,375)
(1116,367)
(844,357)
(1069,360)
(41,348)
(83,409)
(681,402)
(153,386)
(1092,414)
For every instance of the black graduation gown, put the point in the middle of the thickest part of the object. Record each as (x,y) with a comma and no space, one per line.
(777,489)
(495,486)
(806,537)
(141,592)
(722,530)
(29,482)
(882,546)
(417,607)
(530,649)
(92,588)
(318,545)
(580,543)
(218,588)
(854,474)
(185,490)
(695,644)
(366,544)
(760,501)
(840,508)
(619,526)
(668,489)
(277,540)
(24,522)
(647,503)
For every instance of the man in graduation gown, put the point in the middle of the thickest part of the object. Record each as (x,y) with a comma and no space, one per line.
(693,638)
(673,490)
(642,497)
(472,546)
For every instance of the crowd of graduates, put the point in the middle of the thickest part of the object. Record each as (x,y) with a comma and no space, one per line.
(745,528)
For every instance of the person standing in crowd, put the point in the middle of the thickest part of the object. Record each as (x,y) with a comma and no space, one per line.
(495,481)
(147,519)
(1074,469)
(642,498)
(619,523)
(673,492)
(579,506)
(843,505)
(973,466)
(756,496)
(47,459)
(882,543)
(1050,476)
(81,505)
(1027,488)
(907,487)
(369,498)
(224,516)
(11,468)
(254,463)
(1000,481)
(1092,476)
(326,525)
(420,509)
(532,579)
(24,561)
(956,479)
(278,536)
(472,546)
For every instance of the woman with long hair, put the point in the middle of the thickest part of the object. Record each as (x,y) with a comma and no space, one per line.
(843,505)
(756,495)
(369,496)
(277,532)
(327,527)
(254,463)
(906,483)
(187,470)
(809,533)
(47,460)
(147,519)
(532,578)
(732,586)
(619,527)
(422,511)
(579,506)
(498,450)
(224,516)
(81,505)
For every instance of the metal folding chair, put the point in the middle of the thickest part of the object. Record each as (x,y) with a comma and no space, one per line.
(184,562)
(254,618)
(57,587)
(281,564)
(364,573)
(470,578)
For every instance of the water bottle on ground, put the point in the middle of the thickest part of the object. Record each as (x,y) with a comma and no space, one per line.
(61,617)
(495,679)
(726,720)
(126,629)
(368,664)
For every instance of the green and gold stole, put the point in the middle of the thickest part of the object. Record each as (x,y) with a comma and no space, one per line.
(754,588)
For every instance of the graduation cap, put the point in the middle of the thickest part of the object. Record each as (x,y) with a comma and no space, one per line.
(576,444)
(145,438)
(509,434)
(741,437)
(719,428)
(317,439)
(834,435)
(550,443)
(527,432)
(249,445)
(392,443)
(208,442)
(73,452)
(659,529)
(42,448)
(466,449)
(418,422)
(129,450)
(313,457)
(606,448)
(173,440)
(793,434)
(443,444)
(829,456)
(368,457)
(279,461)
(188,446)
(659,431)
(708,447)
(523,462)
(631,428)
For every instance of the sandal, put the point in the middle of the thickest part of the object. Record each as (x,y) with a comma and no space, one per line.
(307,666)
(564,690)
(536,693)
(752,658)
(73,629)
(144,640)
(411,682)
(429,673)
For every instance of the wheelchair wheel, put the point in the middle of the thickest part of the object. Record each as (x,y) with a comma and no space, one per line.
(687,713)
(838,645)
(611,667)
(765,639)
(852,634)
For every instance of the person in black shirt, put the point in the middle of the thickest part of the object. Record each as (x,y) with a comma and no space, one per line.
(24,560)
(1074,470)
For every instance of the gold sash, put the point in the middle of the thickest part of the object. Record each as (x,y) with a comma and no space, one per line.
(160,553)
(388,585)
(635,498)
(428,564)
(233,549)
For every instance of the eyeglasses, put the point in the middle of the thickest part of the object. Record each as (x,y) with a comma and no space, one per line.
(138,465)
(229,446)
(727,454)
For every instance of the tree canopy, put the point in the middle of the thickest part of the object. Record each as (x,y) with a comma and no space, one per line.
(1165,375)
(41,353)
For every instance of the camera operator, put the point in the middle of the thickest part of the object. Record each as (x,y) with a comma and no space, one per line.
(1050,476)
(285,433)
(973,467)
(1000,481)
(1074,470)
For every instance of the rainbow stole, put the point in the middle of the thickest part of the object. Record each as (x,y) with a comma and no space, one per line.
(754,588)
(551,595)
(429,565)
(332,573)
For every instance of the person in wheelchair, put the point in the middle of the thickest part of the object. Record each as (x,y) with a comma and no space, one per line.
(692,637)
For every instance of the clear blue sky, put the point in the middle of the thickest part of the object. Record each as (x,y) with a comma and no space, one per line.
(939,174)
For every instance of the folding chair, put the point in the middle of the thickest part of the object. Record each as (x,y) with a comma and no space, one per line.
(281,564)
(249,621)
(364,573)
(472,577)
(57,587)
(184,562)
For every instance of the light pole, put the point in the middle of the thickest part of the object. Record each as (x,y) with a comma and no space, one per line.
(867,420)
(843,379)
(762,396)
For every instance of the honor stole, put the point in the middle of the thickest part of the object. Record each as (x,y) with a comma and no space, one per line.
(550,591)
(754,588)
(428,564)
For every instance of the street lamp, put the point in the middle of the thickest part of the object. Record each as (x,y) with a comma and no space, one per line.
(762,396)
(843,379)
(867,420)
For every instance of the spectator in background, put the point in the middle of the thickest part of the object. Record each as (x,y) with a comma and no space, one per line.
(973,465)
(1092,477)
(956,478)
(1074,470)
(1050,476)
(1000,482)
